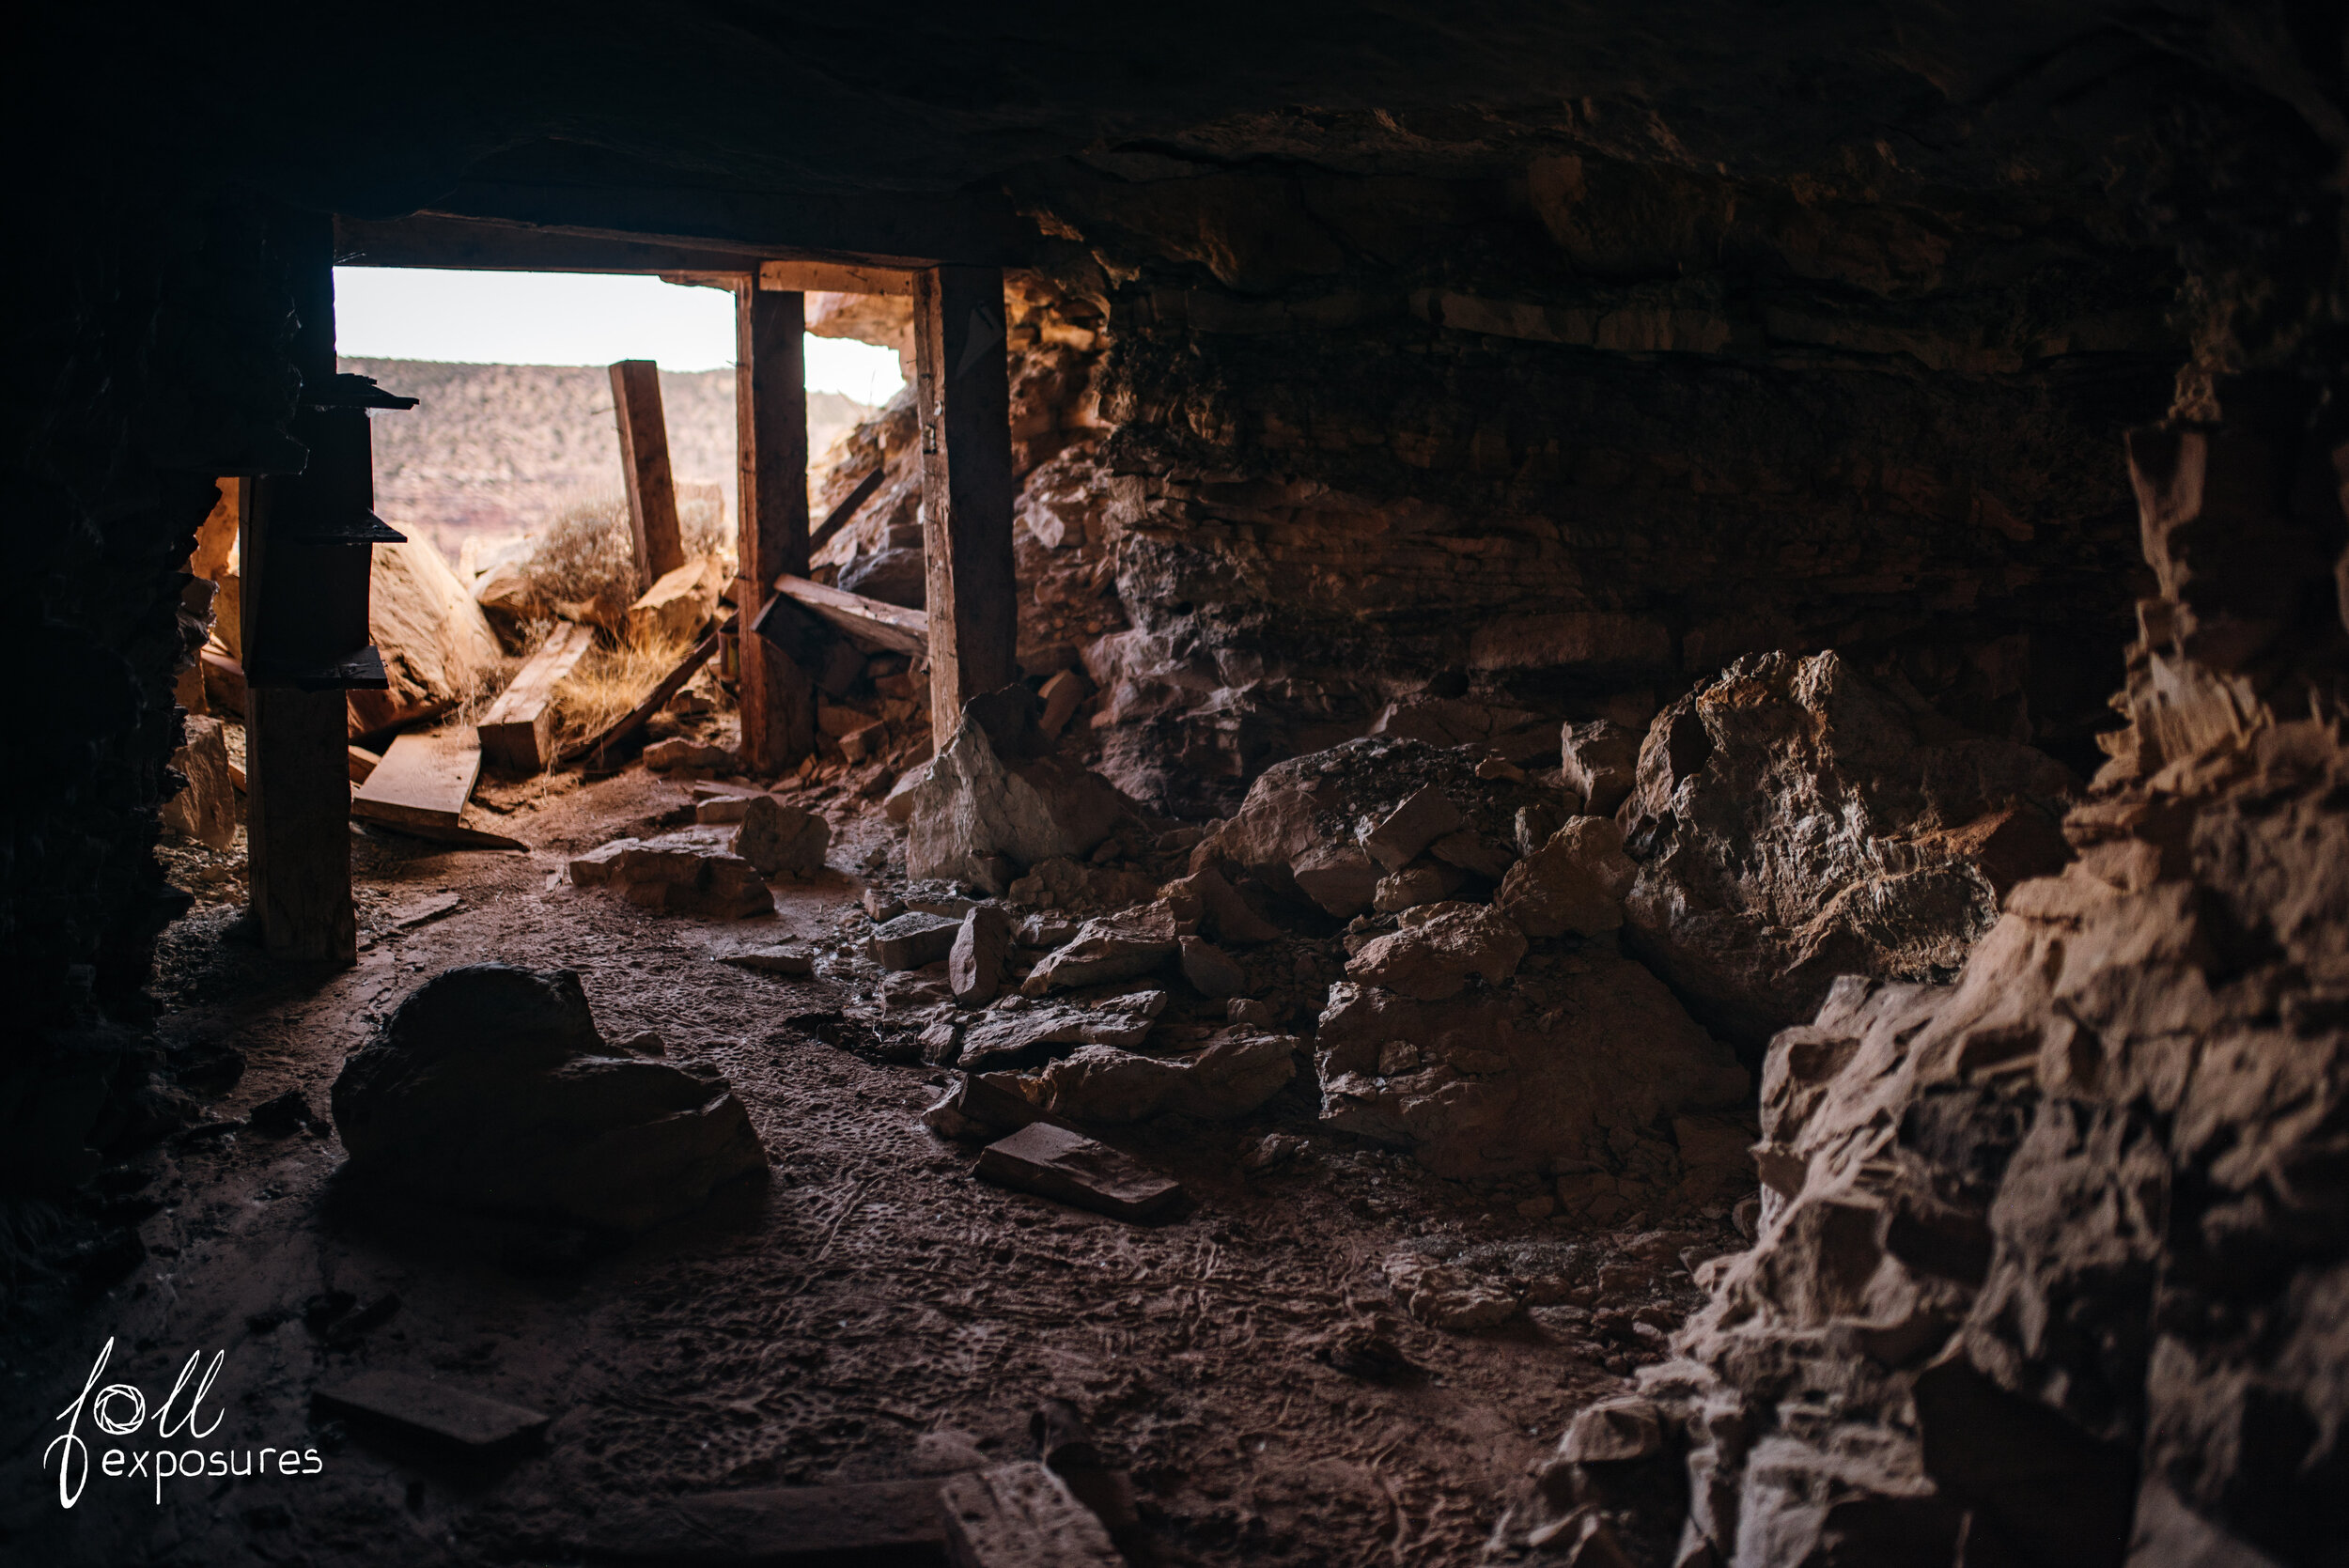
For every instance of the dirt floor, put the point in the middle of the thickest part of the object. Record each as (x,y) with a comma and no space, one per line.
(871,1311)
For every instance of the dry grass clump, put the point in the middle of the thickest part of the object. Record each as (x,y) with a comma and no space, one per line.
(610,681)
(586,560)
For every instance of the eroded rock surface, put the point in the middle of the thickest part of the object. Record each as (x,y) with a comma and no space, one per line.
(1798,820)
(2050,1261)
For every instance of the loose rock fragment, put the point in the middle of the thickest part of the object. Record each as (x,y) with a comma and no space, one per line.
(1404,833)
(1054,1163)
(1021,1517)
(1599,761)
(777,838)
(689,872)
(1238,1071)
(1121,947)
(974,965)
(1612,1432)
(1439,948)
(913,940)
(1212,972)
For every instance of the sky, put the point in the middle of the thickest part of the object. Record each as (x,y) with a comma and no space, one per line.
(569,318)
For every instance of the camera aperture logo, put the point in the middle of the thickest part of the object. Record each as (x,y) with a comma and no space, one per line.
(120,1410)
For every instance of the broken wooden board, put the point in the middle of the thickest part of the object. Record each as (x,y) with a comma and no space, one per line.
(633,720)
(424,781)
(417,1406)
(1053,1162)
(517,733)
(1020,1517)
(889,627)
(881,1524)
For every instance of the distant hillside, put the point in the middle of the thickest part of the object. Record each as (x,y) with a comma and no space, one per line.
(496,449)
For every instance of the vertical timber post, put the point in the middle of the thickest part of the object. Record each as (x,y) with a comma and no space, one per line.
(963,397)
(297,767)
(770,426)
(644,465)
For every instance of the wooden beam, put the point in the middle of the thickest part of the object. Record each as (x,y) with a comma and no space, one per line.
(963,398)
(297,770)
(298,823)
(778,701)
(439,240)
(834,277)
(644,465)
(887,627)
(838,518)
(518,732)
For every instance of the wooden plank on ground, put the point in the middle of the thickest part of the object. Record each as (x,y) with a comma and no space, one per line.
(963,399)
(644,467)
(424,781)
(886,626)
(517,733)
(418,1406)
(1020,1517)
(778,707)
(873,1524)
(633,720)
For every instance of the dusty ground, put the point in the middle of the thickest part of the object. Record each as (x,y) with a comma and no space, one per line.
(814,1328)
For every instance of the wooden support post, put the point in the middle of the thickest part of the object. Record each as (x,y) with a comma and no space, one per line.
(963,398)
(778,700)
(298,823)
(645,464)
(297,769)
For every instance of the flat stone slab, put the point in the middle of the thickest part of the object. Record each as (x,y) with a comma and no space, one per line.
(881,1524)
(772,960)
(422,1407)
(1070,1168)
(1020,1517)
(913,941)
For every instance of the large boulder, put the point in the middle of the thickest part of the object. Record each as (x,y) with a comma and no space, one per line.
(1568,1067)
(1797,821)
(994,802)
(490,1088)
(437,645)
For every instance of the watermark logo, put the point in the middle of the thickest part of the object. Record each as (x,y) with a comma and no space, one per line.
(120,1410)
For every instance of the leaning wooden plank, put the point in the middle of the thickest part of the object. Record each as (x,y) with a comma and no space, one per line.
(362,762)
(633,720)
(890,626)
(837,518)
(873,1522)
(1020,1517)
(419,1407)
(517,733)
(423,780)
